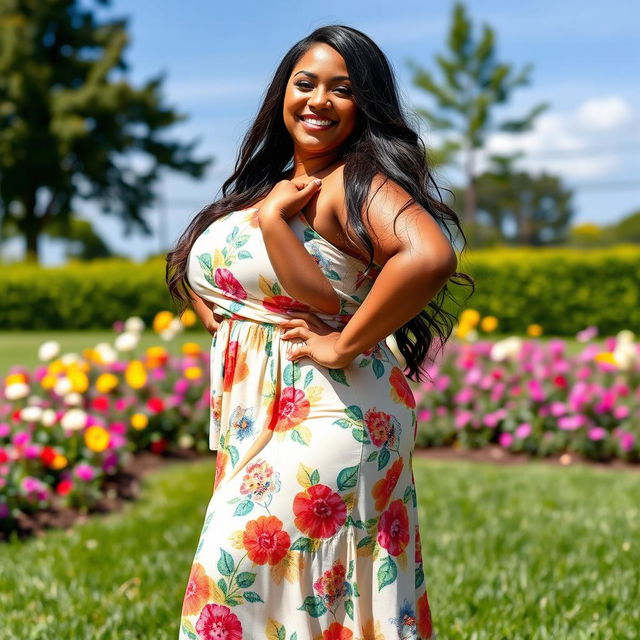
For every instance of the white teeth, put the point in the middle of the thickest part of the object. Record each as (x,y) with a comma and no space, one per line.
(321,123)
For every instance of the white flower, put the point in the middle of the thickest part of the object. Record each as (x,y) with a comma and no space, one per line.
(16,390)
(31,414)
(48,417)
(472,335)
(625,355)
(70,358)
(48,350)
(127,341)
(74,419)
(73,398)
(625,336)
(134,324)
(63,386)
(506,349)
(106,353)
(185,441)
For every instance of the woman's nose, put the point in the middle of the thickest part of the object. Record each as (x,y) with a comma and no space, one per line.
(318,97)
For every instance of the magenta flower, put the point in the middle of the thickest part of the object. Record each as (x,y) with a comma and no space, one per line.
(597,433)
(84,471)
(523,431)
(627,440)
(505,440)
(227,282)
(570,423)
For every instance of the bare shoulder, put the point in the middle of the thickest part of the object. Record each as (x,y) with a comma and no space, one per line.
(396,223)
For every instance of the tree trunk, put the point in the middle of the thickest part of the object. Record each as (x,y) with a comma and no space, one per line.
(470,196)
(31,228)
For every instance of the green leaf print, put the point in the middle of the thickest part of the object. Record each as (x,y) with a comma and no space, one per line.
(188,629)
(240,240)
(378,368)
(364,362)
(315,477)
(348,477)
(356,593)
(302,544)
(233,601)
(345,424)
(252,596)
(244,255)
(419,576)
(350,572)
(308,379)
(387,572)
(294,636)
(407,494)
(233,234)
(372,456)
(205,262)
(222,583)
(383,458)
(339,376)
(245,579)
(354,412)
(243,508)
(366,541)
(275,288)
(360,435)
(225,563)
(348,607)
(291,374)
(233,454)
(314,606)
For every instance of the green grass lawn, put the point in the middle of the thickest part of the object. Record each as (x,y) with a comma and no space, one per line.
(511,552)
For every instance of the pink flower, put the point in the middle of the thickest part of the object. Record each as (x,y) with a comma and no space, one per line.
(462,419)
(571,423)
(84,472)
(558,408)
(464,396)
(5,429)
(424,414)
(523,431)
(587,334)
(627,440)
(227,282)
(505,440)
(597,433)
(442,383)
(621,412)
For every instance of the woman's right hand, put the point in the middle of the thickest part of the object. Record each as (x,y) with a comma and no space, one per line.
(289,197)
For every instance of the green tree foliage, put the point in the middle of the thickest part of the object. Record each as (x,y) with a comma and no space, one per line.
(72,126)
(473,83)
(519,208)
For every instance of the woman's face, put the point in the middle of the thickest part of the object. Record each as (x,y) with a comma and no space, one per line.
(319,109)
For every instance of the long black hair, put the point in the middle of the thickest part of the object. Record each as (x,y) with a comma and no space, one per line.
(382,143)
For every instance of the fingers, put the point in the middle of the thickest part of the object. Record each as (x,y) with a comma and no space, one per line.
(295,322)
(301,333)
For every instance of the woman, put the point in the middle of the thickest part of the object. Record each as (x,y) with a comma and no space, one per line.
(326,241)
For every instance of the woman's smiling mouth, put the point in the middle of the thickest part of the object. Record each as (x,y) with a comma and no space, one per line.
(315,123)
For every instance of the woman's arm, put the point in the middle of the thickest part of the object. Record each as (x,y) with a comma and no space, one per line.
(204,311)
(296,269)
(417,260)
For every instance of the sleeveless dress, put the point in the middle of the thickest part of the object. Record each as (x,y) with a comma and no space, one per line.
(312,529)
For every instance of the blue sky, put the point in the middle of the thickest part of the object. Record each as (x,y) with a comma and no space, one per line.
(219,57)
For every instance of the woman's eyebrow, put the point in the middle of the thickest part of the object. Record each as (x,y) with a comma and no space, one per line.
(314,75)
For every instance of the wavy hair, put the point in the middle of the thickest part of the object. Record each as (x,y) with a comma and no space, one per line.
(381,144)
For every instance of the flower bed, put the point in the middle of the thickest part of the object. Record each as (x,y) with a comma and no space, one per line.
(531,396)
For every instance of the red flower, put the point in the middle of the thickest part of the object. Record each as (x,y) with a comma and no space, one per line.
(278,304)
(560,381)
(319,511)
(4,456)
(47,455)
(379,426)
(425,628)
(100,403)
(393,528)
(293,408)
(335,632)
(235,365)
(418,554)
(155,404)
(64,487)
(199,590)
(265,541)
(400,389)
(217,622)
(158,446)
(226,281)
(384,487)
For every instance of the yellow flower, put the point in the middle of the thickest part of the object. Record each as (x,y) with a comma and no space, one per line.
(56,367)
(470,317)
(136,374)
(156,357)
(188,318)
(96,438)
(139,421)
(162,320)
(462,330)
(192,373)
(59,462)
(15,377)
(191,348)
(106,382)
(606,356)
(48,381)
(534,330)
(79,380)
(489,323)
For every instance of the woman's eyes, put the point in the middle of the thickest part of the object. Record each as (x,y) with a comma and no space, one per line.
(307,85)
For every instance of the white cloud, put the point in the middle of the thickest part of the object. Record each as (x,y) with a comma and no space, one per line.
(604,114)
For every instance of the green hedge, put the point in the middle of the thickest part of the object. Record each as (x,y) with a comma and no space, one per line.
(562,289)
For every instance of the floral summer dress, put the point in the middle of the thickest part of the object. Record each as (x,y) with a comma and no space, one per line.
(312,529)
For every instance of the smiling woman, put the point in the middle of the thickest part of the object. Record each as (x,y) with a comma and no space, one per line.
(326,241)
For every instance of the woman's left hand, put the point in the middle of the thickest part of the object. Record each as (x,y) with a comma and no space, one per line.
(319,337)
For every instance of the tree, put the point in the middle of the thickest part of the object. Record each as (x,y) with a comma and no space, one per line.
(473,84)
(522,208)
(70,127)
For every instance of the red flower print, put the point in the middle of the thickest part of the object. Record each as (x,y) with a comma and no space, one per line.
(199,590)
(226,281)
(222,460)
(335,632)
(278,304)
(418,555)
(425,627)
(235,365)
(331,586)
(379,426)
(265,541)
(384,487)
(400,390)
(319,511)
(393,528)
(293,408)
(216,622)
